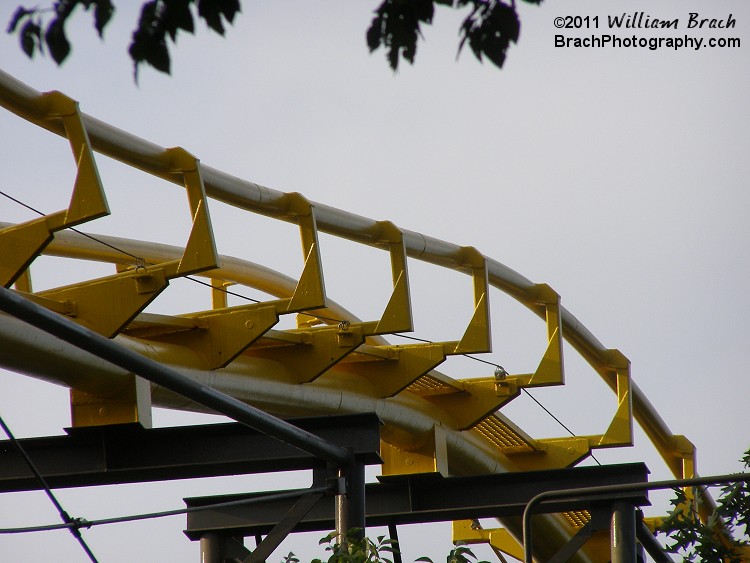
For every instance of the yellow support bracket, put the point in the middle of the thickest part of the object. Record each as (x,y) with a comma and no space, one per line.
(478,337)
(426,454)
(200,252)
(130,403)
(620,431)
(550,370)
(397,316)
(682,450)
(478,398)
(21,244)
(23,282)
(307,354)
(107,305)
(552,453)
(310,291)
(396,367)
(566,451)
(322,347)
(225,332)
(499,539)
(472,401)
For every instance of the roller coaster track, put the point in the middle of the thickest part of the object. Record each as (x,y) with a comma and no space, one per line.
(332,362)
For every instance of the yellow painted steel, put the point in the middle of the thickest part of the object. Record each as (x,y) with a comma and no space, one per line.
(223,333)
(132,403)
(331,362)
(500,539)
(20,244)
(107,305)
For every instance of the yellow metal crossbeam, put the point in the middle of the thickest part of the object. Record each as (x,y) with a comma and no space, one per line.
(107,305)
(21,244)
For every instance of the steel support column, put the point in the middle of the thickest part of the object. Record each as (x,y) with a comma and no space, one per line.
(212,548)
(217,548)
(350,506)
(622,533)
(650,544)
(393,533)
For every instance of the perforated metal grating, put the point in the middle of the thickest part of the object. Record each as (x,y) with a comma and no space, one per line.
(427,384)
(577,518)
(503,436)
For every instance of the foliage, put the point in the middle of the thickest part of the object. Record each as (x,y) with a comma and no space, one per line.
(459,554)
(489,29)
(356,549)
(159,21)
(695,540)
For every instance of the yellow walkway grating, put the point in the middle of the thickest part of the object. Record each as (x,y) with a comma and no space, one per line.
(504,435)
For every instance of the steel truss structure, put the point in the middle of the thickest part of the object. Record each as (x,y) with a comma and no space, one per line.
(331,364)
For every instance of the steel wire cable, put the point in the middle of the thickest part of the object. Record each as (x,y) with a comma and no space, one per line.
(139,261)
(498,366)
(70,523)
(83,523)
(224,290)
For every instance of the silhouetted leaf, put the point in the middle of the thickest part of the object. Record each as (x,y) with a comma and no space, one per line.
(213,10)
(158,57)
(63,8)
(102,14)
(230,8)
(18,15)
(374,34)
(396,27)
(31,37)
(149,44)
(57,42)
(490,29)
(176,16)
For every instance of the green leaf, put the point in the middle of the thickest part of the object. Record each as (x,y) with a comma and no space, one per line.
(327,539)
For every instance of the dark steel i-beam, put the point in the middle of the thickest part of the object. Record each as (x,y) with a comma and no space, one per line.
(411,499)
(608,492)
(129,453)
(221,403)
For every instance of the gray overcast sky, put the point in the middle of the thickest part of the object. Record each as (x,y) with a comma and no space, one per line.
(615,175)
